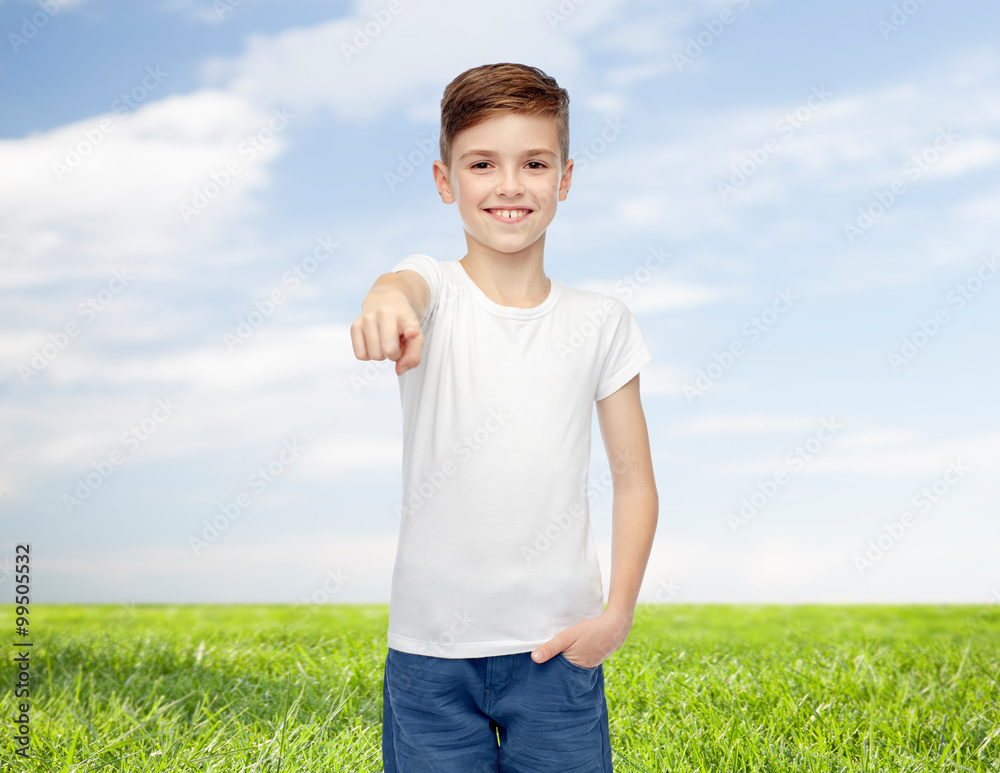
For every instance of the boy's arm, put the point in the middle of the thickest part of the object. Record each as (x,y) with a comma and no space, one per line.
(634,515)
(389,323)
(635,507)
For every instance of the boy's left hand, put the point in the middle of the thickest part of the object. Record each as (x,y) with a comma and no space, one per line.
(588,642)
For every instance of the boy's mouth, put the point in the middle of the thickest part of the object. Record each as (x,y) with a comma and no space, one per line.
(509,214)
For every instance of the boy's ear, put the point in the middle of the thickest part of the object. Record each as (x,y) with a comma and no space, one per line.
(567,178)
(441,180)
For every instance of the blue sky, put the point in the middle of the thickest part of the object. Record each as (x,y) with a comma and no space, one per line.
(798,202)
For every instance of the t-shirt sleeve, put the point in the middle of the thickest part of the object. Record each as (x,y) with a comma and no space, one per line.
(431,270)
(624,347)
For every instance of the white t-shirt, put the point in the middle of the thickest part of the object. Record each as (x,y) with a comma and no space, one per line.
(495,552)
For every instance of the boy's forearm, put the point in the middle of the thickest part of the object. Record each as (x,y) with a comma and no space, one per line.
(387,283)
(634,515)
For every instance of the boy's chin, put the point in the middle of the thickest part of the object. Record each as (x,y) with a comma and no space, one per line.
(503,246)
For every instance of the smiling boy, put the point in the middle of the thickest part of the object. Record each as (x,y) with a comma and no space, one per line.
(497,624)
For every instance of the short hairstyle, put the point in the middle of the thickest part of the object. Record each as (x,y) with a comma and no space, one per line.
(489,90)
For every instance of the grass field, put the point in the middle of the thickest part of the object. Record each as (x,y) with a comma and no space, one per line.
(695,688)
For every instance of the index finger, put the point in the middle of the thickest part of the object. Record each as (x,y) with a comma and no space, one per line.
(412,341)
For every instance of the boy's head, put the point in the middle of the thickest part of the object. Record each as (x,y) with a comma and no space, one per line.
(504,154)
(496,89)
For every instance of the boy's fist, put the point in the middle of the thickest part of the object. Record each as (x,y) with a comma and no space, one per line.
(388,330)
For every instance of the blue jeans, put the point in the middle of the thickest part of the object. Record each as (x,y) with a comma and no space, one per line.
(443,715)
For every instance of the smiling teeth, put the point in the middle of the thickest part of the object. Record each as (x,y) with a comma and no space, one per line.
(510,213)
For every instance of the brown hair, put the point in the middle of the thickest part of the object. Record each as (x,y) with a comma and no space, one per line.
(490,90)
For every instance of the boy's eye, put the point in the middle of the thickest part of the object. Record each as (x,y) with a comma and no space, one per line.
(484,164)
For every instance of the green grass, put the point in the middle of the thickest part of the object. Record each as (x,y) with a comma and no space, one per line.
(754,689)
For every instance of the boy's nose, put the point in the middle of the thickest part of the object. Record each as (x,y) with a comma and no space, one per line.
(510,184)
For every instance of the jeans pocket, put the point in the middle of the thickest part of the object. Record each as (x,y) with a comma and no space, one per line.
(571,664)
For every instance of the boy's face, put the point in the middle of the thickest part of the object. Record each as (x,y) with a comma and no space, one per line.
(507,164)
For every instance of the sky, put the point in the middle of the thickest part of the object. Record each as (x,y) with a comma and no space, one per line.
(798,202)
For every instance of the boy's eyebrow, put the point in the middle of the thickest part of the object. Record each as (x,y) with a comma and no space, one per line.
(493,153)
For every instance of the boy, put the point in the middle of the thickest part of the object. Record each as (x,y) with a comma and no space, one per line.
(497,630)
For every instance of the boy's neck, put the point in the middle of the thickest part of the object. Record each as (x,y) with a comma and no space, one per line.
(516,279)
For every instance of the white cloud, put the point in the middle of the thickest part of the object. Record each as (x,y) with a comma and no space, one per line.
(981,453)
(122,199)
(343,569)
(267,357)
(624,76)
(843,455)
(282,383)
(654,295)
(782,569)
(609,103)
(847,148)
(978,208)
(970,154)
(202,11)
(308,67)
(716,424)
(352,568)
(343,454)
(876,438)
(659,379)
